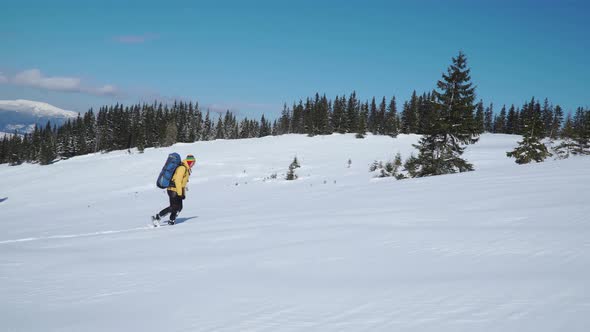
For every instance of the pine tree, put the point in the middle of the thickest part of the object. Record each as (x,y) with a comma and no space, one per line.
(489,118)
(500,122)
(547,116)
(362,122)
(48,146)
(171,133)
(265,127)
(285,121)
(219,132)
(512,121)
(372,119)
(480,117)
(425,114)
(291,173)
(582,131)
(207,128)
(381,117)
(391,125)
(531,148)
(297,122)
(308,117)
(410,115)
(4,149)
(15,145)
(556,123)
(338,115)
(441,148)
(324,125)
(353,114)
(567,145)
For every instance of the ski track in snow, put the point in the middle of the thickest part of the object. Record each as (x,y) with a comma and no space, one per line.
(335,250)
(69,236)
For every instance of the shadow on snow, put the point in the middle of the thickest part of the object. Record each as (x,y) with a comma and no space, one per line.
(183,220)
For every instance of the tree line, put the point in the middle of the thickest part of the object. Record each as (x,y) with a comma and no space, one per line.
(118,127)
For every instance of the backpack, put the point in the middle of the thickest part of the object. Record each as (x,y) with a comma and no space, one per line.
(168,170)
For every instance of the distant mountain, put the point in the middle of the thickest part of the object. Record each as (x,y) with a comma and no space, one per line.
(22,115)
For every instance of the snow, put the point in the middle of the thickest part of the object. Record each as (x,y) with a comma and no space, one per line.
(22,128)
(335,250)
(35,108)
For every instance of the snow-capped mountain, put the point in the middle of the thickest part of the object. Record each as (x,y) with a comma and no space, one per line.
(22,115)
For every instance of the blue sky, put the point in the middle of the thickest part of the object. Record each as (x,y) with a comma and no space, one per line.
(253,56)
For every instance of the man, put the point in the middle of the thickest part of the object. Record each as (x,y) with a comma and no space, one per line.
(177,190)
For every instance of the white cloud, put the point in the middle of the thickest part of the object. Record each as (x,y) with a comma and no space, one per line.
(34,78)
(106,90)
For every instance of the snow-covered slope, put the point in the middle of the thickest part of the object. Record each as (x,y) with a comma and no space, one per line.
(504,248)
(22,115)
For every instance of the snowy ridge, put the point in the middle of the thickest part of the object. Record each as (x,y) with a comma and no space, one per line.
(504,248)
(35,108)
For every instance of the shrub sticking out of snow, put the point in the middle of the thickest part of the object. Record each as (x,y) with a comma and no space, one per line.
(291,173)
(389,169)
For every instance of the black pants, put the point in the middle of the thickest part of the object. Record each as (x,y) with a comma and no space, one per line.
(175,206)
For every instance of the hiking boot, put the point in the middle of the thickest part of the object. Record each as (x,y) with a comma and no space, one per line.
(171,222)
(156,220)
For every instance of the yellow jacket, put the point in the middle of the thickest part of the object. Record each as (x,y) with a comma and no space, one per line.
(180,178)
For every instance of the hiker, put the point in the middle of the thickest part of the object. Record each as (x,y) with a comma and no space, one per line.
(177,190)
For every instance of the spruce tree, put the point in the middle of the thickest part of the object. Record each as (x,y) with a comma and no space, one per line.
(547,116)
(531,148)
(171,133)
(480,117)
(291,175)
(339,115)
(352,113)
(3,149)
(489,118)
(391,125)
(500,123)
(556,123)
(410,115)
(567,145)
(425,113)
(265,127)
(14,157)
(324,124)
(582,131)
(512,121)
(48,151)
(381,117)
(207,128)
(441,148)
(362,122)
(372,118)
(285,121)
